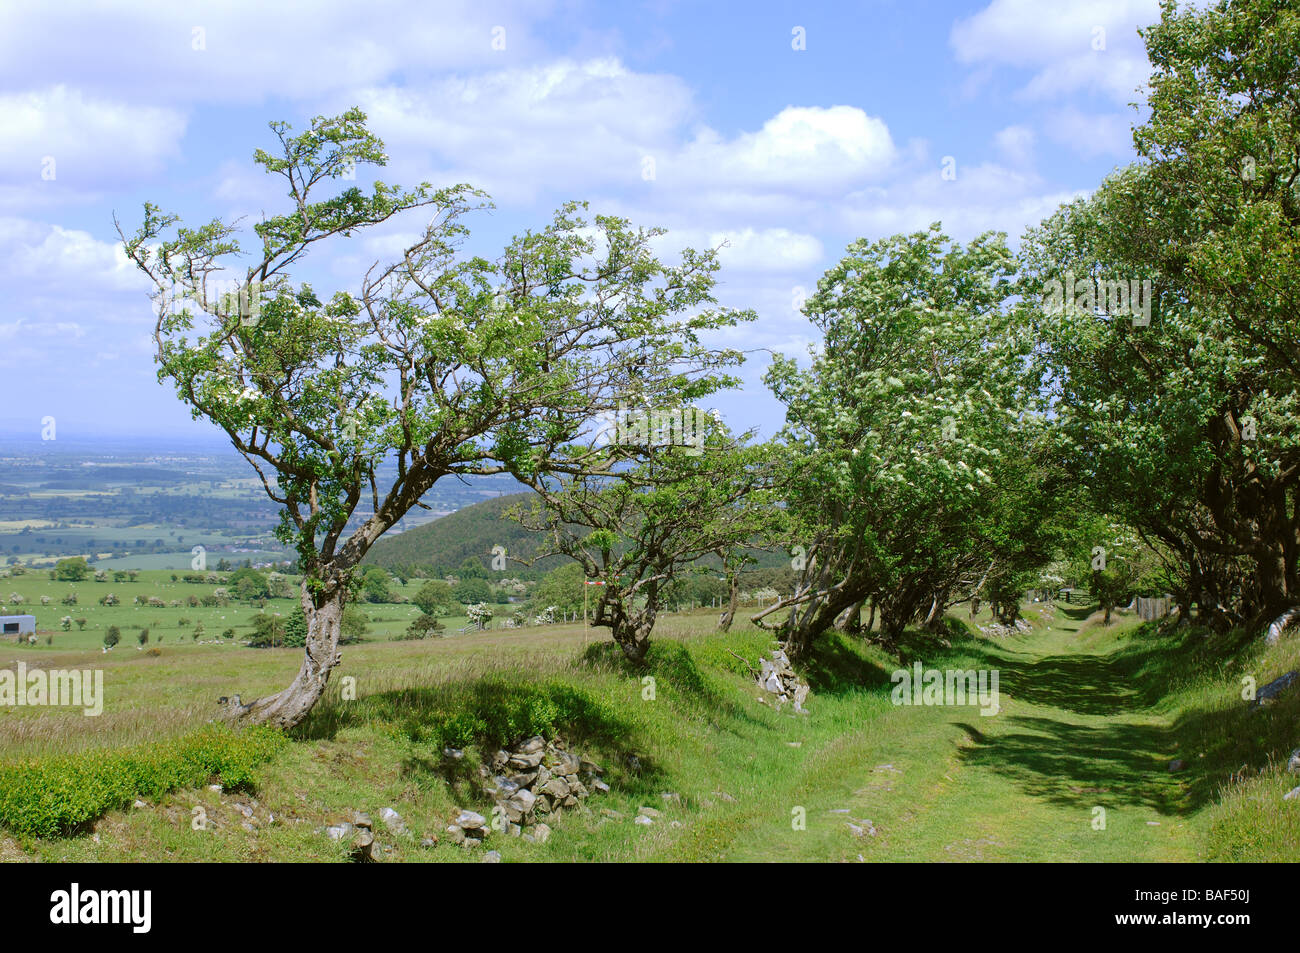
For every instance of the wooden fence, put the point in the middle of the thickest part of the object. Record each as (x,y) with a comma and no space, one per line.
(1155,608)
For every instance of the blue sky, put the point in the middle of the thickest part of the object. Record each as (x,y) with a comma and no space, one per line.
(787,154)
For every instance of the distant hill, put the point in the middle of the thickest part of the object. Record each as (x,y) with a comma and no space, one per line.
(473,531)
(470,531)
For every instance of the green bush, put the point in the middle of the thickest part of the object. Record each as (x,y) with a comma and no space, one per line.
(56,796)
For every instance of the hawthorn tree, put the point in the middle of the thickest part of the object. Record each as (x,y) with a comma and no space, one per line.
(903,434)
(437,364)
(638,526)
(1187,428)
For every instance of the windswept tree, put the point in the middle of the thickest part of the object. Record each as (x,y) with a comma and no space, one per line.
(351,406)
(637,527)
(910,438)
(1184,425)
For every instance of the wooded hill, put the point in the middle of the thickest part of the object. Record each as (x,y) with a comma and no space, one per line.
(472,531)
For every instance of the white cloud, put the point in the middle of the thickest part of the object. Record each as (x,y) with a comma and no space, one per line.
(807,150)
(1016,143)
(750,249)
(985,197)
(1090,134)
(83,142)
(41,257)
(513,132)
(247,50)
(1060,44)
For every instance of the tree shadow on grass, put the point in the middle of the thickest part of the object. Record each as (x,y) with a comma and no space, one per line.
(1084,765)
(836,666)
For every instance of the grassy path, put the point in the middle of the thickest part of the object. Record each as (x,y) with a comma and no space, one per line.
(945,783)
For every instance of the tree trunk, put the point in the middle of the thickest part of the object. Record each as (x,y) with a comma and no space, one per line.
(850,620)
(729,616)
(633,634)
(287,708)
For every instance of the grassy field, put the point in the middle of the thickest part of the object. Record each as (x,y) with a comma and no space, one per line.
(1090,718)
(166,622)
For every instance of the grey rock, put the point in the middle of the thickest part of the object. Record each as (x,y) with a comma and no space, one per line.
(643,820)
(543,775)
(577,788)
(340,831)
(531,745)
(1292,794)
(611,813)
(455,754)
(429,842)
(393,821)
(599,785)
(139,805)
(526,762)
(492,857)
(470,820)
(524,800)
(505,785)
(362,819)
(1275,688)
(499,759)
(649,812)
(1293,765)
(556,787)
(541,833)
(455,834)
(566,763)
(671,797)
(215,788)
(248,826)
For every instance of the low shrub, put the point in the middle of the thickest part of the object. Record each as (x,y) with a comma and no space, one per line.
(56,796)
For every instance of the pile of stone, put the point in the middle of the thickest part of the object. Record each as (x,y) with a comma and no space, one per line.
(998,630)
(533,779)
(777,677)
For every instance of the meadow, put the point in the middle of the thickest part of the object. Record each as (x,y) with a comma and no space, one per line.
(1091,717)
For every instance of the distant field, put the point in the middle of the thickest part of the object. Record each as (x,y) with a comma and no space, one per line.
(387,620)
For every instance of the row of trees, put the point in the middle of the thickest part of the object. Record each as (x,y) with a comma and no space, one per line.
(967,420)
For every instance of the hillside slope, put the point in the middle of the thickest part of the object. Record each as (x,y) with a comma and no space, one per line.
(471,531)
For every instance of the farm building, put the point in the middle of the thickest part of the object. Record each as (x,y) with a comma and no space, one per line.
(17,624)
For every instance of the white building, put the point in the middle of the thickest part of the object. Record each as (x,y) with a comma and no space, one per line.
(17,624)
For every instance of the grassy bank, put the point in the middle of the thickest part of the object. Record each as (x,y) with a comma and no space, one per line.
(1090,718)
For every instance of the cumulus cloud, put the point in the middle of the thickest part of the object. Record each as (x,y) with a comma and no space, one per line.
(1073,45)
(42,257)
(60,135)
(247,50)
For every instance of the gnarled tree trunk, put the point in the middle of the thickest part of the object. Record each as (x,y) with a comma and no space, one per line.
(729,615)
(288,707)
